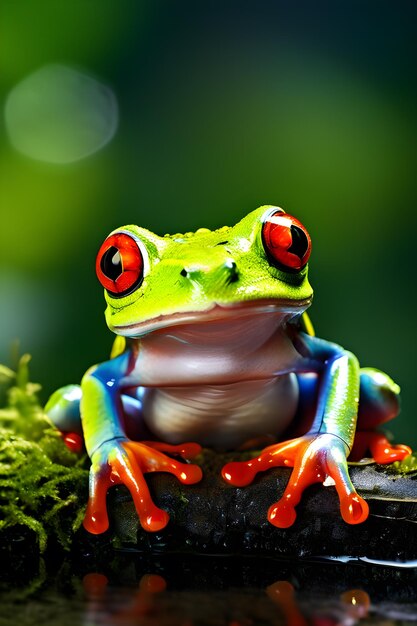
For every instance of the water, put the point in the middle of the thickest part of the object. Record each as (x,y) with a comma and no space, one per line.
(113,588)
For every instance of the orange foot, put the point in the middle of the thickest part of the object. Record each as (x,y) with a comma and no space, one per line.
(380,448)
(121,461)
(314,459)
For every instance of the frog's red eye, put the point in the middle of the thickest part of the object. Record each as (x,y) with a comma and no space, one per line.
(286,241)
(119,265)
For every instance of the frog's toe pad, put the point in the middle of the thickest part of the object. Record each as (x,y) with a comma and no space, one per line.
(95,522)
(190,474)
(74,442)
(154,521)
(383,452)
(282,514)
(354,509)
(239,473)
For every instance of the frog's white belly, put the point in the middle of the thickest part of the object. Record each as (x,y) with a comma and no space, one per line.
(221,416)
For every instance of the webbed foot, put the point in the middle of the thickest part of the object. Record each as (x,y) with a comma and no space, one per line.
(121,461)
(314,458)
(379,447)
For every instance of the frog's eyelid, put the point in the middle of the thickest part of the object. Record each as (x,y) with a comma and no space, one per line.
(270,211)
(264,217)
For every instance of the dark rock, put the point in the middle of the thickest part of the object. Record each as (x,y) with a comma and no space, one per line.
(213,517)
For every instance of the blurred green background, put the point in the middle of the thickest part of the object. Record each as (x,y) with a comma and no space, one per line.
(175,115)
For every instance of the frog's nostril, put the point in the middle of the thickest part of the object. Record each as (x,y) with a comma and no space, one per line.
(224,273)
(233,273)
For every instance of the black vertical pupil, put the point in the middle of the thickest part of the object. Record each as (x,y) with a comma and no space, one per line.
(299,245)
(111,263)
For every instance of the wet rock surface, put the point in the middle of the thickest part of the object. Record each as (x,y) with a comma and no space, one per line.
(213,517)
(220,562)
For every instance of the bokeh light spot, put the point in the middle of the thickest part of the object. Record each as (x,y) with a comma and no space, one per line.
(60,115)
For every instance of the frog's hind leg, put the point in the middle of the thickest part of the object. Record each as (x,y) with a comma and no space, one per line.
(379,402)
(63,409)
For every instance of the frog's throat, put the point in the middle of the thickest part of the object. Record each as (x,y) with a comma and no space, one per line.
(217,312)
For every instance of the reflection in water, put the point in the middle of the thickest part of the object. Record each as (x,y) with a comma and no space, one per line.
(358,603)
(282,593)
(131,590)
(141,605)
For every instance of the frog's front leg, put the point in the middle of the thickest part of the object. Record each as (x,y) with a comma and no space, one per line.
(322,452)
(114,458)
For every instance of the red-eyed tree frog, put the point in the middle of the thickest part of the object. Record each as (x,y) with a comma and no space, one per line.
(215,348)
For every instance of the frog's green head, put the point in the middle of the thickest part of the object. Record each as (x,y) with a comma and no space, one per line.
(153,282)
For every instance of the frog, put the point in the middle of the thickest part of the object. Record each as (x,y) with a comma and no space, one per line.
(214,348)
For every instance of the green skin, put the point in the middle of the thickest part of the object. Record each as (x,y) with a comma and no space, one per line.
(199,253)
(191,280)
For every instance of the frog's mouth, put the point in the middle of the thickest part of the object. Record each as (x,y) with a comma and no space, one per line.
(214,318)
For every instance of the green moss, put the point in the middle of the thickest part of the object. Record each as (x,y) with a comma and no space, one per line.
(407,466)
(43,486)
